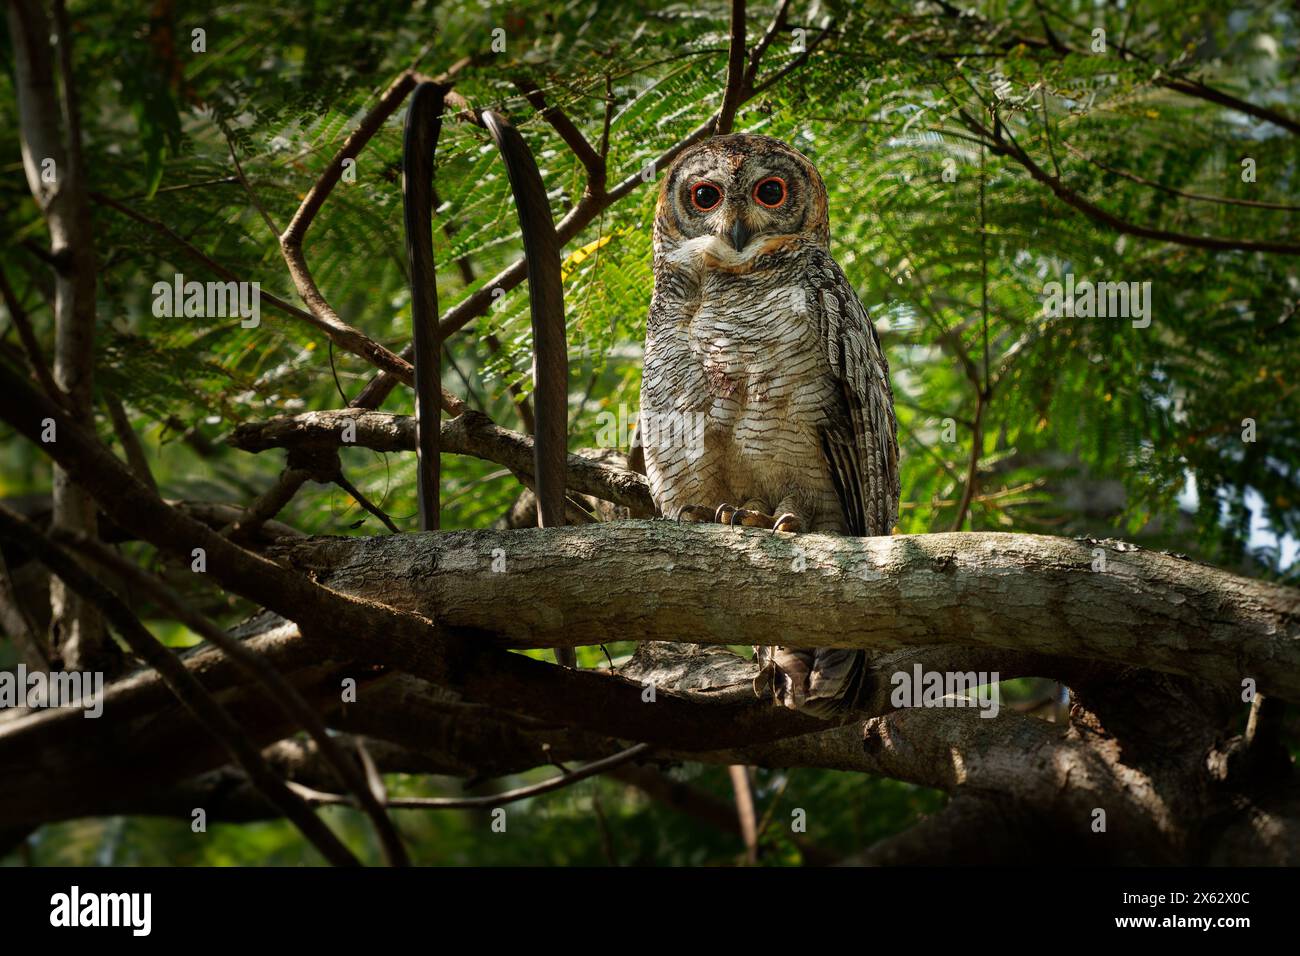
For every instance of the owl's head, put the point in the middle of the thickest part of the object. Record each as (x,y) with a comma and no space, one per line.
(730,200)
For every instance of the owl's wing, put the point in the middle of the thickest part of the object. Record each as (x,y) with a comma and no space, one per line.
(861,441)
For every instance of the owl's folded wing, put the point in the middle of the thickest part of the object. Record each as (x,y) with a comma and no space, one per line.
(861,441)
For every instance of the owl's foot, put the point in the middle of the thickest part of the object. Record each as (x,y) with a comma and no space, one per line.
(746,517)
(695,514)
(753,518)
(788,522)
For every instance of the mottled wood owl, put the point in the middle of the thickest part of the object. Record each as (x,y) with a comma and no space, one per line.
(765,398)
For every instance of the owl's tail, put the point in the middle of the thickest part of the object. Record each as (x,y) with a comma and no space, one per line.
(827,682)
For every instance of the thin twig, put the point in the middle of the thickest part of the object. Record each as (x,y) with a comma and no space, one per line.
(26,335)
(756,56)
(972,467)
(131,447)
(1010,148)
(248,188)
(365,502)
(491,801)
(610,103)
(1199,197)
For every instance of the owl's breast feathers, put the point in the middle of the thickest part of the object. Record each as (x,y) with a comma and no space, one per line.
(786,367)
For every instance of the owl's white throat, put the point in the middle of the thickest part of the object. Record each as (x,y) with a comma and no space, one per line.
(714,251)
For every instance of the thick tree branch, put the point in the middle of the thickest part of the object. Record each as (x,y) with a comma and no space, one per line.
(704,696)
(1013,592)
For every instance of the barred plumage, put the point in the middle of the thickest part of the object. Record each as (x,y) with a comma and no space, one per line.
(765,387)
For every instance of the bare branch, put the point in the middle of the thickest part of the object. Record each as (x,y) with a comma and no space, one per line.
(735,89)
(592,161)
(130,441)
(756,55)
(980,589)
(492,800)
(1009,148)
(27,335)
(370,124)
(470,433)
(1199,197)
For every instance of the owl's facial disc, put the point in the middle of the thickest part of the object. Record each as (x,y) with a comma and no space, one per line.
(739,201)
(731,201)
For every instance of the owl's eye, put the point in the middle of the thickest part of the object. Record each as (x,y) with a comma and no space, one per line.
(704,196)
(770,192)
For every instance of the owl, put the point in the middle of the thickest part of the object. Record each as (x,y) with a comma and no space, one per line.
(765,395)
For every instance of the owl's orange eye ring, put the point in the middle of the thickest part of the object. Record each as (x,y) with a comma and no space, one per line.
(705,196)
(766,195)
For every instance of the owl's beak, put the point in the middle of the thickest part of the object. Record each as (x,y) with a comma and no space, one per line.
(739,234)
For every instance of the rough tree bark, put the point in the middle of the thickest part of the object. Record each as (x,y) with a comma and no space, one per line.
(722,585)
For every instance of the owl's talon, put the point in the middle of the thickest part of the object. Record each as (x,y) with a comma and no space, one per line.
(725,513)
(695,514)
(788,523)
(752,519)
